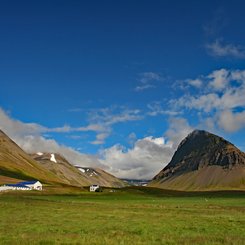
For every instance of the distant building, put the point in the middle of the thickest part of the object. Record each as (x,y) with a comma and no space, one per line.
(33,185)
(94,188)
(5,188)
(26,185)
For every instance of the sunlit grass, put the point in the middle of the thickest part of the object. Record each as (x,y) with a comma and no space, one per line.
(129,217)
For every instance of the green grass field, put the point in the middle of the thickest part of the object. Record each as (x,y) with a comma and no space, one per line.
(130,216)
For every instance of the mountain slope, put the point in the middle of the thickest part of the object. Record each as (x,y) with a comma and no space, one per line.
(203,161)
(16,165)
(75,175)
(59,166)
(101,177)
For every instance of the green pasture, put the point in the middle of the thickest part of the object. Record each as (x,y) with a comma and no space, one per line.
(128,216)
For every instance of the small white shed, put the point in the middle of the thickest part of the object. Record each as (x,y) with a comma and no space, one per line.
(94,188)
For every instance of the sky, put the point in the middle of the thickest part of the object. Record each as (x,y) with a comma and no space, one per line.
(118,84)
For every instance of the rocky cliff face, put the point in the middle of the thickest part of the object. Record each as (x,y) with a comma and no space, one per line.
(197,154)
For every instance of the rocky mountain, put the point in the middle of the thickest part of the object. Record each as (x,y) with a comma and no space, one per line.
(75,175)
(203,161)
(17,165)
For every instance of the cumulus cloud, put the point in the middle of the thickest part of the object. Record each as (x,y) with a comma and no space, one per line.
(223,94)
(16,127)
(220,49)
(231,121)
(148,155)
(145,159)
(219,79)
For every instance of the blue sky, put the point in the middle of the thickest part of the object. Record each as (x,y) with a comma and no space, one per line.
(120,83)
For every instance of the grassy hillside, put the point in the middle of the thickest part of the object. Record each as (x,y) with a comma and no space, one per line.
(128,216)
(17,165)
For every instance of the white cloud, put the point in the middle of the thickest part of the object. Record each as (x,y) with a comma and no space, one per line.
(112,115)
(157,108)
(145,159)
(219,79)
(219,49)
(16,127)
(223,95)
(220,95)
(105,118)
(230,121)
(144,87)
(179,128)
(203,102)
(148,155)
(100,138)
(195,82)
(68,129)
(147,80)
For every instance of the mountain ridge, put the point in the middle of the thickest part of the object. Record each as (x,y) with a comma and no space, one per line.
(72,174)
(51,168)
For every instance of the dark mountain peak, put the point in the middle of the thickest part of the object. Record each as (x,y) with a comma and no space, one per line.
(197,132)
(199,139)
(201,149)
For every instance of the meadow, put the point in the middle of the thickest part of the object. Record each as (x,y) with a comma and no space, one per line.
(128,216)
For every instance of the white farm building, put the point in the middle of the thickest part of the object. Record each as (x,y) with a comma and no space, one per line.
(26,185)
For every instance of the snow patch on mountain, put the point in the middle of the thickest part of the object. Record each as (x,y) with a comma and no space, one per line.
(52,158)
(82,170)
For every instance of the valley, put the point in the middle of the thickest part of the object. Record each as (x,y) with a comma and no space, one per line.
(133,215)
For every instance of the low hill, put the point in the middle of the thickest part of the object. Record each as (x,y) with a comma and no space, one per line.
(203,161)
